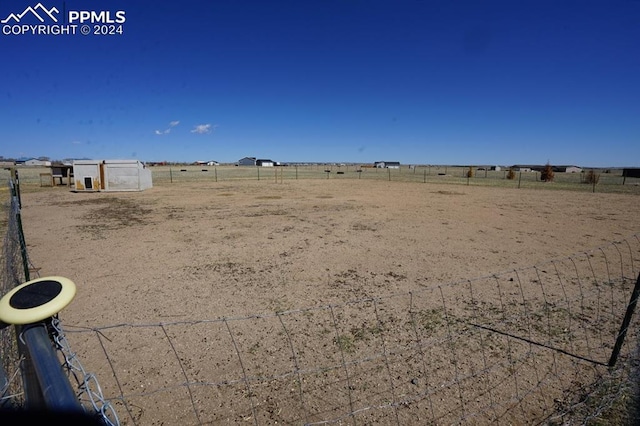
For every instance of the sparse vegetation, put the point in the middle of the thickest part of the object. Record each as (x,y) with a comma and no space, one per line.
(547,174)
(430,319)
(345,343)
(592,177)
(611,182)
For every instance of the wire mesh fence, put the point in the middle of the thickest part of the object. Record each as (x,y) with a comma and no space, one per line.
(13,273)
(608,180)
(530,345)
(22,389)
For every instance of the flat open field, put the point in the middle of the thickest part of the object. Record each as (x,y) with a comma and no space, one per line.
(185,253)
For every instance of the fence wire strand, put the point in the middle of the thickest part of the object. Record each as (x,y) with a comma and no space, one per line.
(525,345)
(17,269)
(530,345)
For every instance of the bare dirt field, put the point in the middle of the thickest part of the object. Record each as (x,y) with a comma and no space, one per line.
(193,252)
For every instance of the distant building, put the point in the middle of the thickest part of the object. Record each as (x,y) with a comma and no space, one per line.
(539,168)
(247,161)
(523,168)
(264,163)
(567,169)
(36,162)
(387,164)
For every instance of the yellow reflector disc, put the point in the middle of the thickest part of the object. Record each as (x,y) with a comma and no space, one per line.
(36,300)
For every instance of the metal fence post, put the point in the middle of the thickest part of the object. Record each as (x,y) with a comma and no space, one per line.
(15,178)
(519,178)
(46,386)
(625,323)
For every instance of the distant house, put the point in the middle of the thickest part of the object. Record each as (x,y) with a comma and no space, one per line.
(567,169)
(213,163)
(36,162)
(387,164)
(264,163)
(247,161)
(539,168)
(523,168)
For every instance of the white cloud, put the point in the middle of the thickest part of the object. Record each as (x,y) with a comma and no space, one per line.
(168,130)
(203,128)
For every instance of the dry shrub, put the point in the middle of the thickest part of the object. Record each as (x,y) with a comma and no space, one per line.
(511,175)
(547,175)
(592,177)
(470,172)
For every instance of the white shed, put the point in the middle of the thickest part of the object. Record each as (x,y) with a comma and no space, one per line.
(111,175)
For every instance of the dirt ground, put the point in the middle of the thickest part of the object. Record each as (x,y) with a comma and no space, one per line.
(250,247)
(236,249)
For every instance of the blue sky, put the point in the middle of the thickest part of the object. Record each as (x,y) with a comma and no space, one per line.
(420,82)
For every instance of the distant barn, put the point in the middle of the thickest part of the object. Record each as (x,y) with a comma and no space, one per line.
(36,162)
(567,169)
(539,168)
(247,161)
(387,164)
(264,163)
